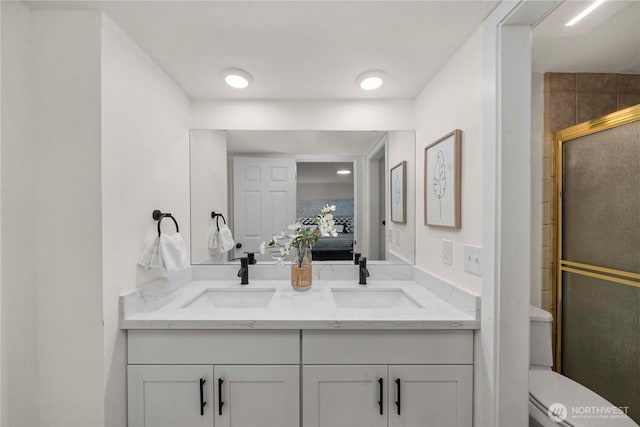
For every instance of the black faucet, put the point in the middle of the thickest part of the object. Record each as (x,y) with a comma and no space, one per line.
(244,271)
(364,273)
(252,258)
(356,257)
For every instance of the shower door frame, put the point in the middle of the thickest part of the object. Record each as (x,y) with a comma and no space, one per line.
(609,121)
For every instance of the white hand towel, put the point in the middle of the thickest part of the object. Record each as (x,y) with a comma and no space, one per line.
(151,257)
(172,253)
(214,241)
(226,239)
(167,252)
(220,241)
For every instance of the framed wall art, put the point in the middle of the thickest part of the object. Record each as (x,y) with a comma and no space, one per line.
(398,184)
(442,181)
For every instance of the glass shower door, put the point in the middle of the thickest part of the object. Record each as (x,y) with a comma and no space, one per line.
(598,289)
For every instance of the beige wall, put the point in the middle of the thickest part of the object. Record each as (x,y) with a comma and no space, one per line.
(569,99)
(400,238)
(18,344)
(145,166)
(209,189)
(68,220)
(333,191)
(97,139)
(452,100)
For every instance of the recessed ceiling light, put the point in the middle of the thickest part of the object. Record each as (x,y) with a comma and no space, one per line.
(344,172)
(371,80)
(585,12)
(237,78)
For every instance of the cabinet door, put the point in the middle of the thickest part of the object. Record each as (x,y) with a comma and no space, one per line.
(430,396)
(344,396)
(170,395)
(257,396)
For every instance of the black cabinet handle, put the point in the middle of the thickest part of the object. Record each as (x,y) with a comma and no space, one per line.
(202,402)
(220,402)
(398,391)
(380,383)
(238,245)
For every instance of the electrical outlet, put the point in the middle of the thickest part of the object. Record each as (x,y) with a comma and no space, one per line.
(447,250)
(473,259)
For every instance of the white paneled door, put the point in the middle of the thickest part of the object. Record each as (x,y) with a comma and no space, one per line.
(170,395)
(430,396)
(264,200)
(345,396)
(257,396)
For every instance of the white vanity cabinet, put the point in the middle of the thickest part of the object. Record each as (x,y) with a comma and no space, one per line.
(337,378)
(165,395)
(247,378)
(430,395)
(195,395)
(346,395)
(257,396)
(411,378)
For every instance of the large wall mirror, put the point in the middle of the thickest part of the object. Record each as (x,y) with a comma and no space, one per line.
(262,181)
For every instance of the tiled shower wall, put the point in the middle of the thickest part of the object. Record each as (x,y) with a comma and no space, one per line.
(569,99)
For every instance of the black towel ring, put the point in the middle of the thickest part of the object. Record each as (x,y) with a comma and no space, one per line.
(158,216)
(217,216)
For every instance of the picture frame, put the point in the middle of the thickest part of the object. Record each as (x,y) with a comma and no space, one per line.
(398,188)
(442,182)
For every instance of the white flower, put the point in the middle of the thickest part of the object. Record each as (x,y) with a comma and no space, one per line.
(326,227)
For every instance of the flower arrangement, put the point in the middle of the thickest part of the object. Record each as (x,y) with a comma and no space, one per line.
(302,238)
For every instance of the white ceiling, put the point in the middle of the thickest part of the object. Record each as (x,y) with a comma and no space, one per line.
(316,143)
(299,49)
(607,40)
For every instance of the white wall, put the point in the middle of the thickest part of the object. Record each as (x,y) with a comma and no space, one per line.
(209,189)
(400,240)
(145,166)
(452,100)
(68,218)
(19,320)
(394,114)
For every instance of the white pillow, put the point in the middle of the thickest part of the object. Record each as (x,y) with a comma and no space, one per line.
(339,228)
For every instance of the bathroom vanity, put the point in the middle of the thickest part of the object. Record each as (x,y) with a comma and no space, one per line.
(213,353)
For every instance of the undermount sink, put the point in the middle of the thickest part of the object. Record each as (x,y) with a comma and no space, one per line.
(373,298)
(232,298)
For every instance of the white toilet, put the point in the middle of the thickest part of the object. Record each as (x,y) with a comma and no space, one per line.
(556,400)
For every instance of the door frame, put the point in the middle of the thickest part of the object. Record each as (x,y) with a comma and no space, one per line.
(358,234)
(502,360)
(373,193)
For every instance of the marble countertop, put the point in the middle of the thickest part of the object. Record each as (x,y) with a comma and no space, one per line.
(289,309)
